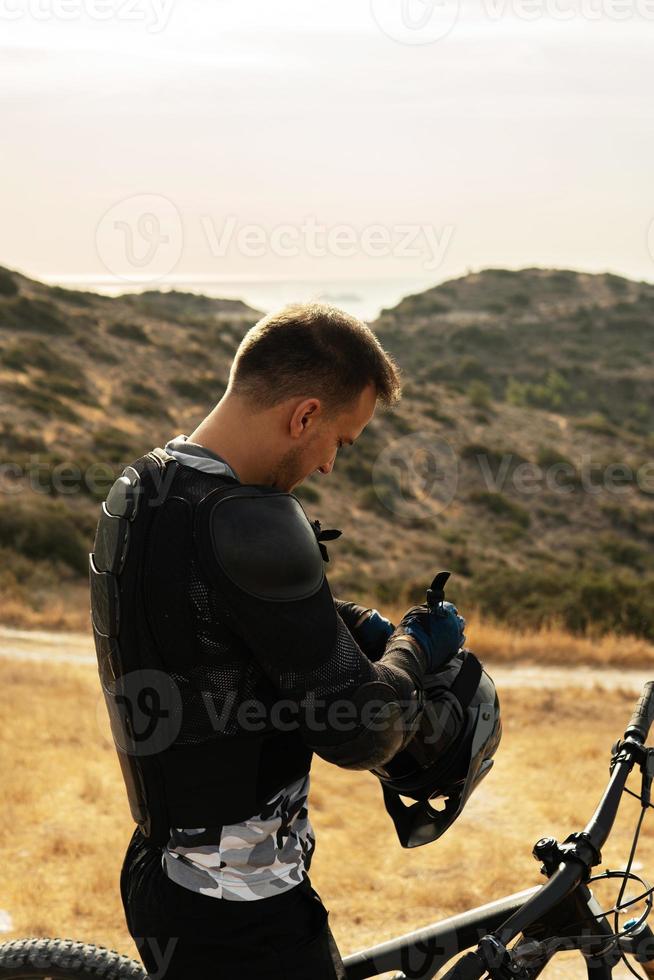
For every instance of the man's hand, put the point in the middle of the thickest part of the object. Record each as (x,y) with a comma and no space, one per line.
(439,633)
(369,628)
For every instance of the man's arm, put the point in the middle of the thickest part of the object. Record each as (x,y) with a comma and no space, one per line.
(369,628)
(266,561)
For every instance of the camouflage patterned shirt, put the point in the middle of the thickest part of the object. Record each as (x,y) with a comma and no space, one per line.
(265,855)
(260,857)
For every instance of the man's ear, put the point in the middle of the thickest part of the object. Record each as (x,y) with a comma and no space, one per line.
(303,414)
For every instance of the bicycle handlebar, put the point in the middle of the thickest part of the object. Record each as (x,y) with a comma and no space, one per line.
(643,715)
(570,871)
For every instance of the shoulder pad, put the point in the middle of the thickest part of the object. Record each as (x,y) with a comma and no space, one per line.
(265,544)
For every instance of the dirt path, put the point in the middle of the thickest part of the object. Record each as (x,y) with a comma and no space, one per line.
(55,647)
(77,648)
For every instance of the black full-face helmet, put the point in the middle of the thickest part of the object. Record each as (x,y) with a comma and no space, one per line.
(449,755)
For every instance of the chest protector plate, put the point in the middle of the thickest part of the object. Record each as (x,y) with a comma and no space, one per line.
(174,672)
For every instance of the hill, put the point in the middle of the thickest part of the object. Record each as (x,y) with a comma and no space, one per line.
(520,456)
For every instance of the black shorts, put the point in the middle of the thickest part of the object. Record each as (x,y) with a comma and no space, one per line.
(183,935)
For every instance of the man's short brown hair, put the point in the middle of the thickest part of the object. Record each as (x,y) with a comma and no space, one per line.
(313,349)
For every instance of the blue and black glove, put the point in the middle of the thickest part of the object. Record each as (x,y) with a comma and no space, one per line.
(439,633)
(369,628)
(436,626)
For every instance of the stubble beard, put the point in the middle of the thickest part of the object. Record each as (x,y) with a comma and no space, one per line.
(289,471)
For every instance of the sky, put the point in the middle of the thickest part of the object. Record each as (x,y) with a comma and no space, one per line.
(187,141)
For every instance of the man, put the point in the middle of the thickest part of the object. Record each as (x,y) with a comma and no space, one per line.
(216,579)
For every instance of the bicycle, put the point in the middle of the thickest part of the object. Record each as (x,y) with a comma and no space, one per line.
(543,920)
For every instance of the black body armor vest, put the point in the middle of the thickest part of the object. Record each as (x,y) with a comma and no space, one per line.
(176,676)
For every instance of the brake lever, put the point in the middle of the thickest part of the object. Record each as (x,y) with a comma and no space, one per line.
(647,768)
(629,747)
(436,591)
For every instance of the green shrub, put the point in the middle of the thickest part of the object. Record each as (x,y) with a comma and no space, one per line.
(475,338)
(596,422)
(480,394)
(475,450)
(583,600)
(551,394)
(145,405)
(308,494)
(206,388)
(35,315)
(567,473)
(78,390)
(46,530)
(96,348)
(39,399)
(77,297)
(19,441)
(400,423)
(392,591)
(113,445)
(129,331)
(433,412)
(564,280)
(141,388)
(348,547)
(622,551)
(501,507)
(470,368)
(354,468)
(369,500)
(553,516)
(34,353)
(8,285)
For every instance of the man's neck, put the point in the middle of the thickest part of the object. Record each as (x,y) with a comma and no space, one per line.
(223,432)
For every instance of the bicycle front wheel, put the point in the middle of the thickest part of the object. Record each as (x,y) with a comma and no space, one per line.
(64,959)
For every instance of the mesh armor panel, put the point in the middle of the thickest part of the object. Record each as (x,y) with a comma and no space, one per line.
(327,680)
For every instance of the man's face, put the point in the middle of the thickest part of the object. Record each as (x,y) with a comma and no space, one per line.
(316,451)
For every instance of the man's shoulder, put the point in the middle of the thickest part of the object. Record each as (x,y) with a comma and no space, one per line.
(264,543)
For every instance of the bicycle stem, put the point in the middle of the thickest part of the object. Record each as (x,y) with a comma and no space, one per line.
(578,854)
(567,865)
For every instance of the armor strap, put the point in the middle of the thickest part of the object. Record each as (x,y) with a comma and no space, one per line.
(467,680)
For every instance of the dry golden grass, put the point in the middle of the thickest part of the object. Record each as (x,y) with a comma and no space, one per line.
(553,645)
(65,823)
(499,643)
(65,609)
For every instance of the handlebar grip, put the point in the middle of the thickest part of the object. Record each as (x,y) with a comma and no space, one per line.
(643,715)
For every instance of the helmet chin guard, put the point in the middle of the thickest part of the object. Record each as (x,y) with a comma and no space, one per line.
(447,757)
(420,823)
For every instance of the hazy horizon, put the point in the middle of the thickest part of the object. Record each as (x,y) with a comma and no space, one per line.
(325,143)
